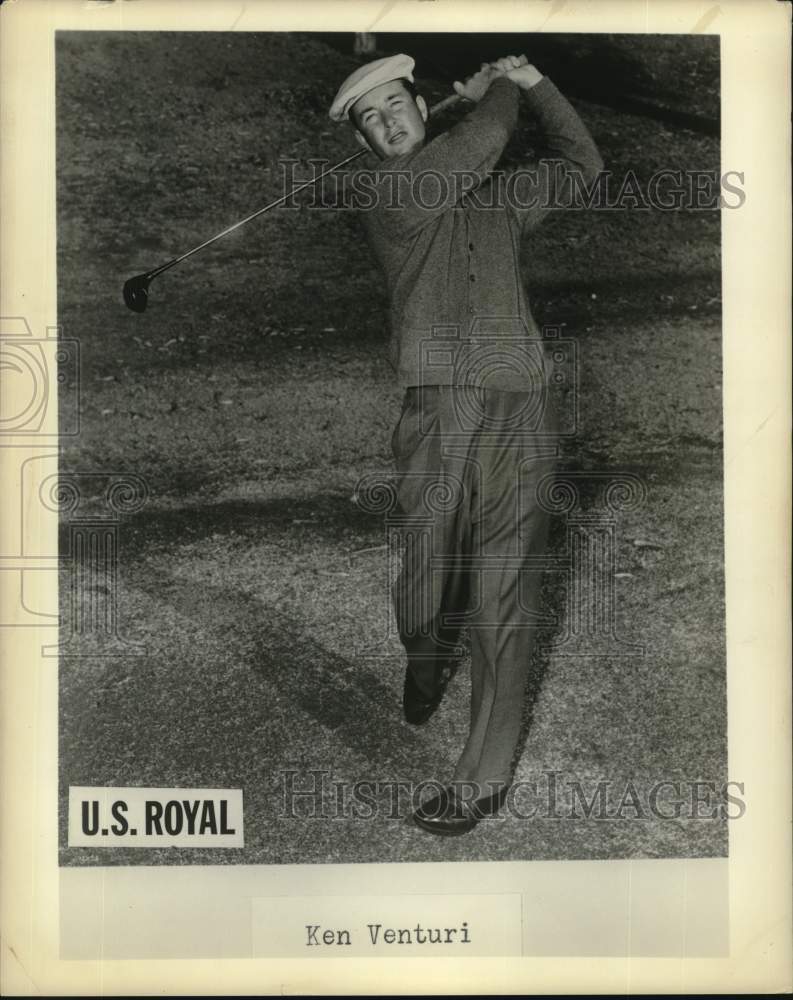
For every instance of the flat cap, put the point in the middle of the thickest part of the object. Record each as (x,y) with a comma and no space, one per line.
(365,78)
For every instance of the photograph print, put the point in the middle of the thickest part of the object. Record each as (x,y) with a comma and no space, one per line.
(391,487)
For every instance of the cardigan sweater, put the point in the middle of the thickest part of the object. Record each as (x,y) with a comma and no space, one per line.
(447,234)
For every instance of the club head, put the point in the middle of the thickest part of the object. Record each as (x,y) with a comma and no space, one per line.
(136,293)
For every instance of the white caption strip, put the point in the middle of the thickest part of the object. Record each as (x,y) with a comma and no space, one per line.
(155,817)
(387,926)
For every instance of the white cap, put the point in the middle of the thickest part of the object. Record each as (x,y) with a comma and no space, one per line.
(365,78)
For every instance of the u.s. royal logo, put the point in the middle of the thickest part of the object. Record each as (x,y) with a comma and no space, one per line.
(155,817)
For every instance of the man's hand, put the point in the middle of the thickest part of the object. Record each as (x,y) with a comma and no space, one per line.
(519,70)
(515,68)
(526,76)
(475,87)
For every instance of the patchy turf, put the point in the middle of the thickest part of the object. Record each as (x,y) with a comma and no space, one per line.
(252,396)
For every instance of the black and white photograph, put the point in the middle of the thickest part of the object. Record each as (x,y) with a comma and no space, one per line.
(423,465)
(392,476)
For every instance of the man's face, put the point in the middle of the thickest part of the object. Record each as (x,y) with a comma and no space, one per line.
(388,120)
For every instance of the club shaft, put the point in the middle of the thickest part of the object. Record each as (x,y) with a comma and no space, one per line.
(436,108)
(253,215)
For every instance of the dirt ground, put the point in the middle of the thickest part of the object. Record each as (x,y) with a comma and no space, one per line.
(254,394)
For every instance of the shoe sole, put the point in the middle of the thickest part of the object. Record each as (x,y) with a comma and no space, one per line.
(438,831)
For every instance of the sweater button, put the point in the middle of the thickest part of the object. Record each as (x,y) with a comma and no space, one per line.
(470,246)
(472,277)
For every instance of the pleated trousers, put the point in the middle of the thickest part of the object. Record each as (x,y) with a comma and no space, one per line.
(469,462)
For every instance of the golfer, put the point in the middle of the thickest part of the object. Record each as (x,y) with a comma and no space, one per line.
(477,432)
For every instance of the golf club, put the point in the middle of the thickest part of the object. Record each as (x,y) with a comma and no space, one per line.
(136,290)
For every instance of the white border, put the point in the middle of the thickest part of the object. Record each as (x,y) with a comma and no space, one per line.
(756,281)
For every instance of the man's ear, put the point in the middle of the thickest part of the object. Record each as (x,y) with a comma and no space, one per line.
(361,138)
(421,104)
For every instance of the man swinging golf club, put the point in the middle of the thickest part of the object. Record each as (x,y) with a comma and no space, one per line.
(477,432)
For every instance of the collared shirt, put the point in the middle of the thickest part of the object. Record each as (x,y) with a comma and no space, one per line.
(447,234)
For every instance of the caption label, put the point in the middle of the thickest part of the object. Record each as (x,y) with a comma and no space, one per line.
(155,817)
(387,926)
